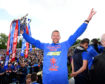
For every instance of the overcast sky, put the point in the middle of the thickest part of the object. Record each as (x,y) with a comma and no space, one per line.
(48,15)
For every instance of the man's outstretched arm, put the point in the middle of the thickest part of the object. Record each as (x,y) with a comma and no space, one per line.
(81,29)
(32,41)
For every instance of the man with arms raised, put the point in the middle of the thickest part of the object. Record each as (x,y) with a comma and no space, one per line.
(55,54)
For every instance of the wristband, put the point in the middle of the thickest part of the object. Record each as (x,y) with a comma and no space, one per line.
(86,21)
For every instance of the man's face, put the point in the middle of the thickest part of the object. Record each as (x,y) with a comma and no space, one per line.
(55,37)
(9,65)
(28,81)
(22,64)
(85,46)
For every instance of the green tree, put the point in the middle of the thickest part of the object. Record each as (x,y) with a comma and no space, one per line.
(77,41)
(19,44)
(3,41)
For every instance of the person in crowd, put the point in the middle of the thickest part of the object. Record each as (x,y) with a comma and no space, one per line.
(2,72)
(100,47)
(91,54)
(93,50)
(80,62)
(22,73)
(34,78)
(28,79)
(96,46)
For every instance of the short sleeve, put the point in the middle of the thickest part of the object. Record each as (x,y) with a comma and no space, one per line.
(85,56)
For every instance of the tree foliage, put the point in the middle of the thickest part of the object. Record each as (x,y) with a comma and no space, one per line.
(3,41)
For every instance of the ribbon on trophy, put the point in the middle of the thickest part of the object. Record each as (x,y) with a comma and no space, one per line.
(14,37)
(7,53)
(29,20)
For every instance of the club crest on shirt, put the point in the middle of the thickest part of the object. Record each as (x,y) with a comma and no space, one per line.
(53,66)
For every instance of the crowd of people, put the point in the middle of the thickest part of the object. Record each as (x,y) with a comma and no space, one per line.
(17,71)
(27,70)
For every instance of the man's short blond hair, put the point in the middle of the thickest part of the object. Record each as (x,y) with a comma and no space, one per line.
(55,31)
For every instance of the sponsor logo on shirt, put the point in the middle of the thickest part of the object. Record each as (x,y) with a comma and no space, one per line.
(54,48)
(54,53)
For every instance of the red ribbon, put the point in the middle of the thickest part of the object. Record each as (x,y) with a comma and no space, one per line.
(15,42)
(8,42)
(27,44)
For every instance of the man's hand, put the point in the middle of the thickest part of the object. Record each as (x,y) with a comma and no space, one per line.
(21,31)
(91,14)
(73,74)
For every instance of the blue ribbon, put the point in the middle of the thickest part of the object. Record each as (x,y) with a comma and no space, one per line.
(23,47)
(19,27)
(11,45)
(23,41)
(6,62)
(11,37)
(18,38)
(29,33)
